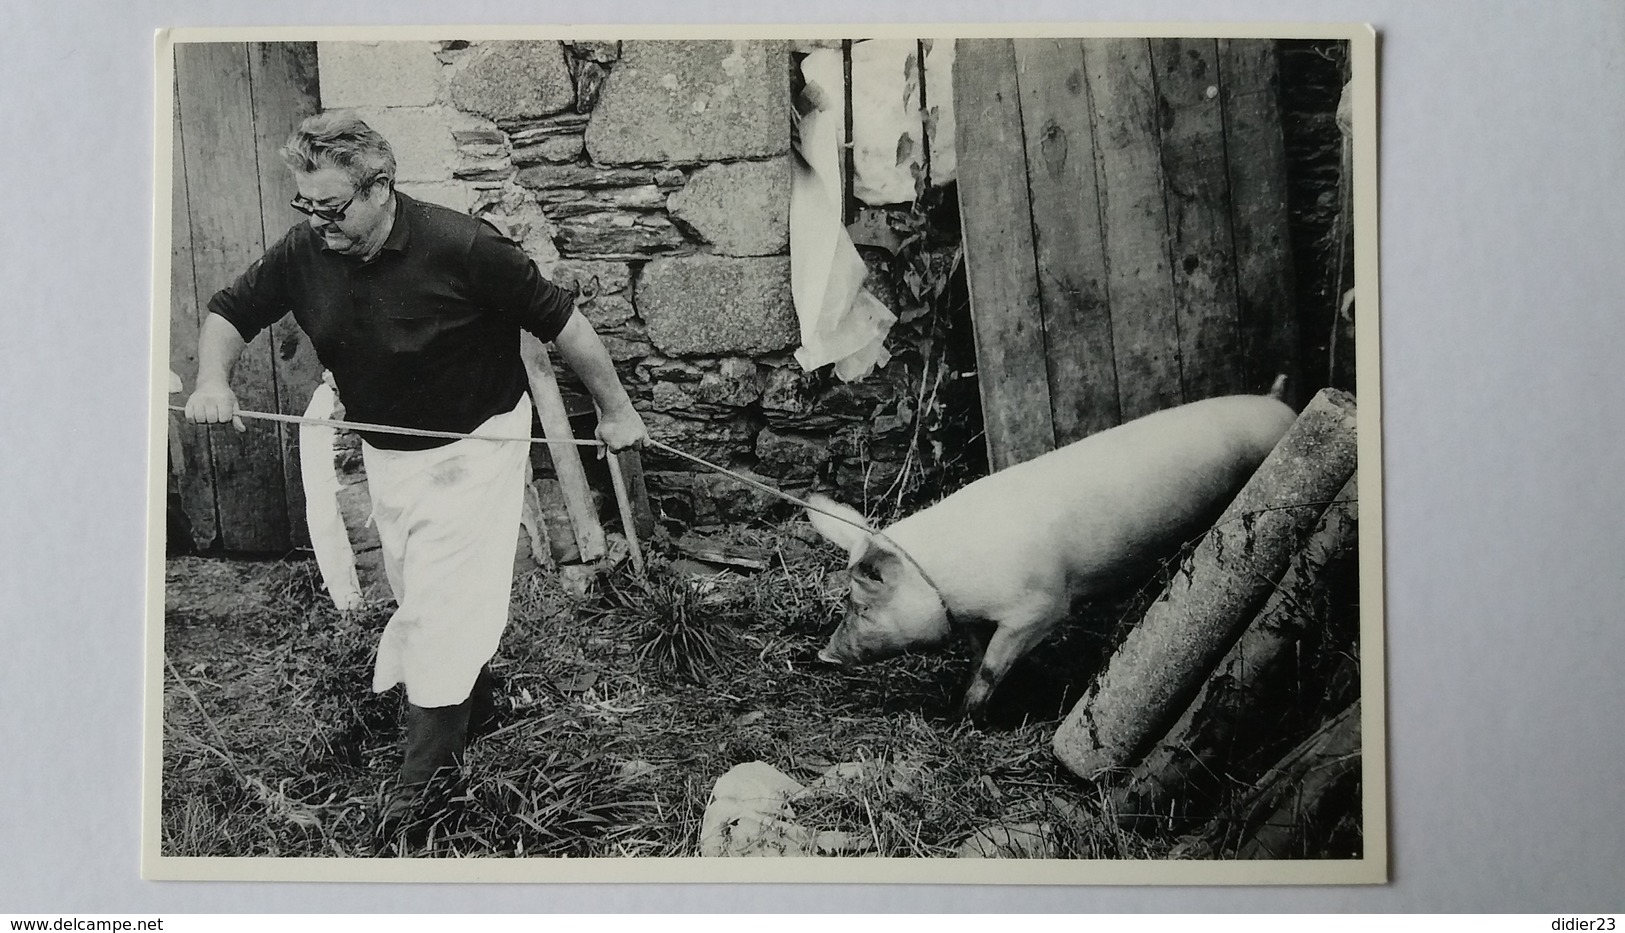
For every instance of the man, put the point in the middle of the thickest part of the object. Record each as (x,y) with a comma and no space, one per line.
(416,310)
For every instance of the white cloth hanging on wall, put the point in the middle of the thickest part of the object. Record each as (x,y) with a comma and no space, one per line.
(841,323)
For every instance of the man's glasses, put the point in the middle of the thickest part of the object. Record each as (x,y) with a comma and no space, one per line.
(330,214)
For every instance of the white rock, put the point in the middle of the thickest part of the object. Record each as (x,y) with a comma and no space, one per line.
(749,815)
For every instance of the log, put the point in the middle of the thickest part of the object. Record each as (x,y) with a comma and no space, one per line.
(1157,670)
(1185,774)
(1289,812)
(544,392)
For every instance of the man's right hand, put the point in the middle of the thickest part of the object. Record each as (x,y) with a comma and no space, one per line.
(214,404)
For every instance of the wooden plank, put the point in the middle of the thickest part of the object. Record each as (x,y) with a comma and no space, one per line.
(544,393)
(222,180)
(1145,332)
(197,473)
(1068,244)
(1198,203)
(284,92)
(1000,263)
(1256,158)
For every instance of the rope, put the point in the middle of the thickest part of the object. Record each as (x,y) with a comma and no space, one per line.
(453,435)
(391,429)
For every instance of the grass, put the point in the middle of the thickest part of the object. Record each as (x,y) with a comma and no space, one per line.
(622,708)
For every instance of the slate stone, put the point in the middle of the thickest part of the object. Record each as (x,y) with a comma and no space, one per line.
(562,148)
(583,176)
(788,456)
(708,498)
(715,439)
(788,392)
(568,202)
(523,132)
(736,383)
(617,235)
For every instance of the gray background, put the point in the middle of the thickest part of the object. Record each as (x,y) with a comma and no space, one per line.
(1503,229)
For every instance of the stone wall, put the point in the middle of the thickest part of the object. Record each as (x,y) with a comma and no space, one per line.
(655,177)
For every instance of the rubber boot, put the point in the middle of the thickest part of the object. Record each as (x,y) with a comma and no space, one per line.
(486,712)
(435,739)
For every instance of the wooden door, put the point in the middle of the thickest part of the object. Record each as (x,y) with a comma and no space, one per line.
(235,103)
(1124,211)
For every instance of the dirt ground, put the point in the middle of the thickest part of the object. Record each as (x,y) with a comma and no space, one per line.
(609,744)
(622,706)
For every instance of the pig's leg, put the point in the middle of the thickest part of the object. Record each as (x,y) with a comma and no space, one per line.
(1011,640)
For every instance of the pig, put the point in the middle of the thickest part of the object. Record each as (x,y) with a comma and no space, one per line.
(1019,548)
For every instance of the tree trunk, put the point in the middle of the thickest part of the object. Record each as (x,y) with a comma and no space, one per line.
(1186,774)
(1292,809)
(1163,661)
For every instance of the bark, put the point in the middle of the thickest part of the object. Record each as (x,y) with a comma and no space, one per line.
(1292,809)
(1162,663)
(1186,773)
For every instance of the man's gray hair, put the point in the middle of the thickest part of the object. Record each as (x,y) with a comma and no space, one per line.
(342,141)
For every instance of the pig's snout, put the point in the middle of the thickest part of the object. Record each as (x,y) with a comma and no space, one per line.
(841,649)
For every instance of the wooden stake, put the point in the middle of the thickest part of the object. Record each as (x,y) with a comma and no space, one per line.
(629,522)
(544,391)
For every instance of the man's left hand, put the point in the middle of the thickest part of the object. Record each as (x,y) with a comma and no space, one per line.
(622,429)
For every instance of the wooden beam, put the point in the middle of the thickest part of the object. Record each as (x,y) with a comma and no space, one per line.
(1001,267)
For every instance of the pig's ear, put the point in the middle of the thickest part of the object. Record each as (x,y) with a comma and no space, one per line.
(875,569)
(853,539)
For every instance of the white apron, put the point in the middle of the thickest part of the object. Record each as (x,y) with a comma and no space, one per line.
(448,523)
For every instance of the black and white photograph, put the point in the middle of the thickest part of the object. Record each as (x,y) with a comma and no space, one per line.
(931,455)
